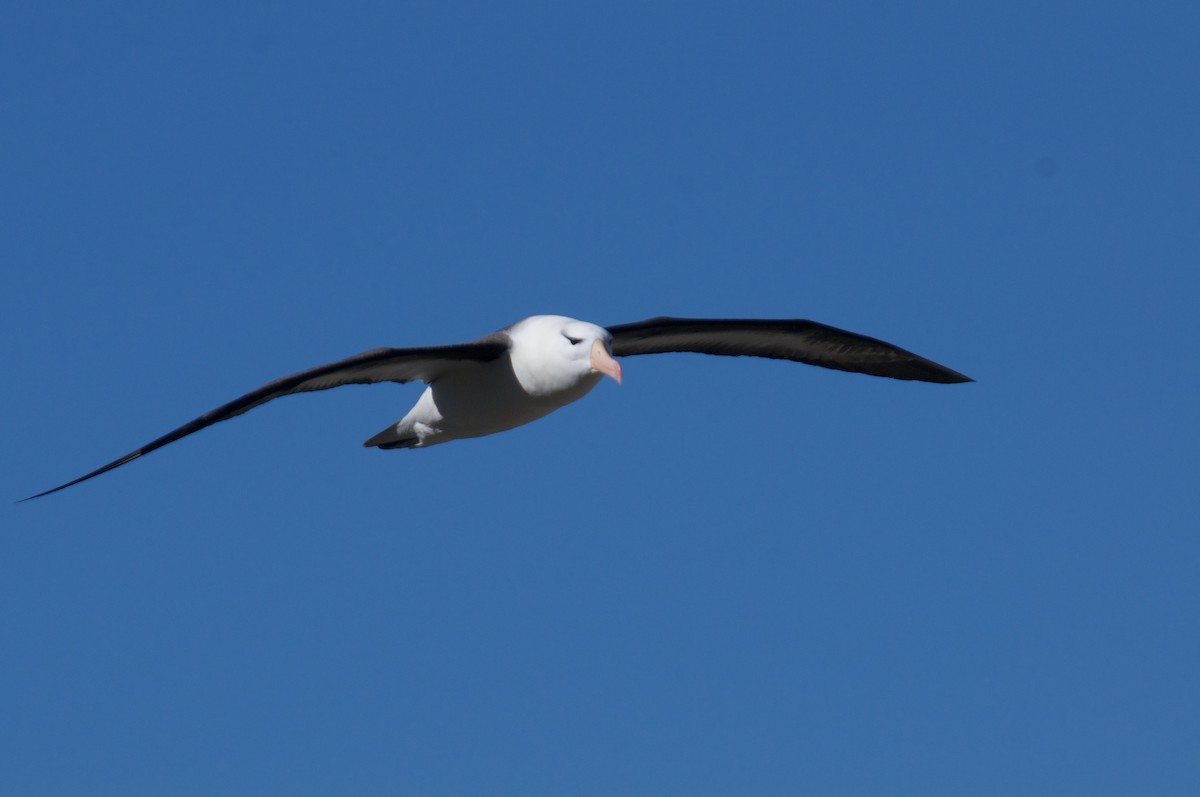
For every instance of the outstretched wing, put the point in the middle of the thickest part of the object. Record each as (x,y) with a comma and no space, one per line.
(377,365)
(797,339)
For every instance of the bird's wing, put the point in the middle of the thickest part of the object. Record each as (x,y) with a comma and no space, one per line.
(378,365)
(796,339)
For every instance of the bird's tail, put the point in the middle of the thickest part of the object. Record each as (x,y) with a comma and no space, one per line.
(394,437)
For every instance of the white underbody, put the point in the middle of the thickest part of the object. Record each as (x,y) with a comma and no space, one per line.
(474,401)
(548,366)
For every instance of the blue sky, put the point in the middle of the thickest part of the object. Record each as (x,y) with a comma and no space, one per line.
(725,576)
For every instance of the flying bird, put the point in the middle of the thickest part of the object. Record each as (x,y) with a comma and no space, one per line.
(532,368)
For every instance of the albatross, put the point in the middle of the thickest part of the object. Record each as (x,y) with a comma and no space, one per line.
(535,366)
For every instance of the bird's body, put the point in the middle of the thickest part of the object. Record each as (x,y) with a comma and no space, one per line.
(526,371)
(541,372)
(449,408)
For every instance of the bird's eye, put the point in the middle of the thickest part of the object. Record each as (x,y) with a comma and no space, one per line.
(574,341)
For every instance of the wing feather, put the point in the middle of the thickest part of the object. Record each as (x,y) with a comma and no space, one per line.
(796,339)
(378,365)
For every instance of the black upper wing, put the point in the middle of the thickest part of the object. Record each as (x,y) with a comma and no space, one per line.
(377,365)
(797,339)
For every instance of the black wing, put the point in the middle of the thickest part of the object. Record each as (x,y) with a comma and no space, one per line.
(797,339)
(377,365)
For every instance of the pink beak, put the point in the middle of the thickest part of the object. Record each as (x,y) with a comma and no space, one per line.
(603,362)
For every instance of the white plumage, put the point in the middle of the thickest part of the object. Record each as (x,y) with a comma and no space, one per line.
(552,361)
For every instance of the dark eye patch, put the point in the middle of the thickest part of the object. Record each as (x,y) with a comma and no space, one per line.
(574,341)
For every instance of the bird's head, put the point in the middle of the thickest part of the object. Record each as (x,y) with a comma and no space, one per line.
(552,353)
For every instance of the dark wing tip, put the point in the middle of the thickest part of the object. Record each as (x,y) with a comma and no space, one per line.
(922,370)
(44,493)
(114,464)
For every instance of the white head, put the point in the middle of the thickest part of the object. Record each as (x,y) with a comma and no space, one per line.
(554,354)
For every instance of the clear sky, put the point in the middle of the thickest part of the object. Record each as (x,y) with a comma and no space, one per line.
(727,576)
